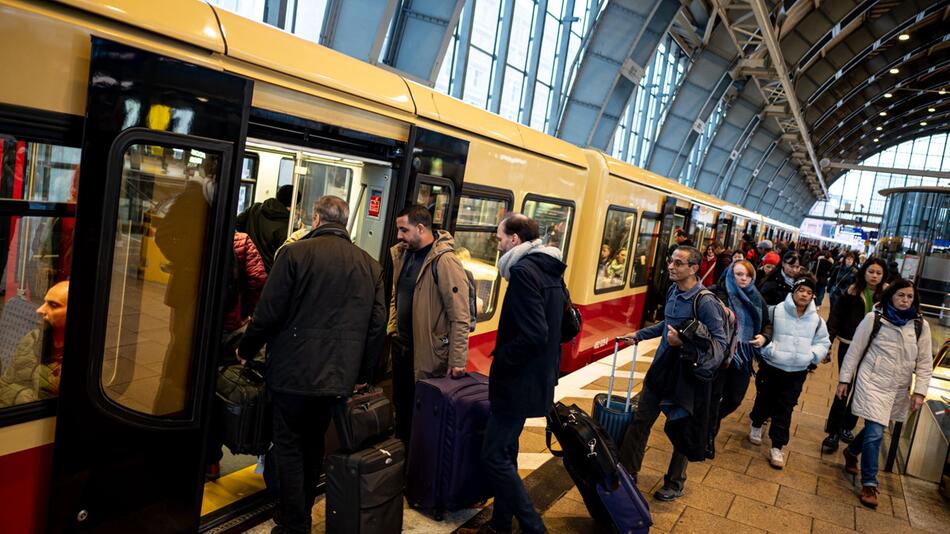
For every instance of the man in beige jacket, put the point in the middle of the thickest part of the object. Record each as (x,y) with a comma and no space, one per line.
(428,317)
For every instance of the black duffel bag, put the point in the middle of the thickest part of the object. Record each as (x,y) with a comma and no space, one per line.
(364,419)
(243,407)
(585,446)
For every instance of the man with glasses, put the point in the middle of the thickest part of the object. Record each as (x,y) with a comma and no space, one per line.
(662,382)
(779,283)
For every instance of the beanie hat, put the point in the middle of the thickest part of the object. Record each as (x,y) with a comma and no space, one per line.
(771,259)
(285,195)
(806,281)
(766,244)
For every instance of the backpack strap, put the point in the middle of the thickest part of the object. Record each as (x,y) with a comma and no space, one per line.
(875,328)
(918,326)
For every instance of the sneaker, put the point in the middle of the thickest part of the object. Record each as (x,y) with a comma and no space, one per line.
(667,494)
(830,444)
(850,462)
(755,435)
(213,471)
(847,436)
(776,458)
(868,496)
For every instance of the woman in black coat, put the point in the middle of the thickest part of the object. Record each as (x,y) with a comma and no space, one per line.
(846,314)
(737,290)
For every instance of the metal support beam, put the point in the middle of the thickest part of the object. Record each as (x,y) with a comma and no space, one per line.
(461,60)
(358,27)
(884,170)
(419,37)
(557,88)
(534,57)
(778,63)
(498,82)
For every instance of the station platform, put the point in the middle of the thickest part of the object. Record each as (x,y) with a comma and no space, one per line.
(736,493)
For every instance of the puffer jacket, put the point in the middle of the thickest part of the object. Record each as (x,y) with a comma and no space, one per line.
(884,376)
(17,380)
(267,224)
(797,342)
(440,312)
(252,277)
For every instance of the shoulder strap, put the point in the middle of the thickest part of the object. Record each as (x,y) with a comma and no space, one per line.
(875,328)
(918,326)
(700,293)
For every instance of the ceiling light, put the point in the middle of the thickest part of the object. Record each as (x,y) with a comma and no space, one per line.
(903,37)
(941,92)
(931,110)
(879,128)
(876,139)
(895,70)
(888,95)
(923,123)
(883,114)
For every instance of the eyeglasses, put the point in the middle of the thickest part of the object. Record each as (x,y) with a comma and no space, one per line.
(676,263)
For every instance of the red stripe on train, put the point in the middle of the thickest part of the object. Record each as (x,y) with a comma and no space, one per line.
(24,490)
(603,322)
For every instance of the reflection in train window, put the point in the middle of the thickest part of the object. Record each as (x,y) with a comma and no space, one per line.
(645,251)
(613,257)
(475,245)
(148,358)
(436,198)
(554,220)
(248,181)
(320,180)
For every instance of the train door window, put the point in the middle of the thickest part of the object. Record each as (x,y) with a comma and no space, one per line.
(645,251)
(678,222)
(166,194)
(319,179)
(38,184)
(614,256)
(436,195)
(480,211)
(285,173)
(555,218)
(248,181)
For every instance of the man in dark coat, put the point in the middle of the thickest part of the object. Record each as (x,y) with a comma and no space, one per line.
(323,317)
(267,222)
(525,366)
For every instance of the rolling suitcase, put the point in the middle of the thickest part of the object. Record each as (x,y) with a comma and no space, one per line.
(444,468)
(615,416)
(365,488)
(243,409)
(625,507)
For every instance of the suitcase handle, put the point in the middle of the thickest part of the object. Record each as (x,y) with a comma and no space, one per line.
(613,372)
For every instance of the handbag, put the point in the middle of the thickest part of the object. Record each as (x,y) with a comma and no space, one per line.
(571,322)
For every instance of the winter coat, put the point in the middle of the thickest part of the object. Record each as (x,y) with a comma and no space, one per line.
(527,350)
(251,279)
(845,316)
(841,278)
(322,315)
(797,342)
(266,222)
(708,266)
(884,376)
(823,266)
(26,379)
(440,313)
(775,287)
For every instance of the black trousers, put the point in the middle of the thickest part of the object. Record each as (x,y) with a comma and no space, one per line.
(777,393)
(300,424)
(635,442)
(839,415)
(404,388)
(730,386)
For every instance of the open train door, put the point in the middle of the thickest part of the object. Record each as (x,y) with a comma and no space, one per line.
(161,147)
(433,175)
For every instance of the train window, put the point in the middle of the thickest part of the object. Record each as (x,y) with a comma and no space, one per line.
(479,215)
(436,197)
(248,181)
(166,193)
(36,246)
(555,218)
(614,257)
(285,172)
(645,251)
(321,179)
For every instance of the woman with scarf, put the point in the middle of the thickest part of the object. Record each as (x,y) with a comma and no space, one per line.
(879,367)
(737,290)
(847,313)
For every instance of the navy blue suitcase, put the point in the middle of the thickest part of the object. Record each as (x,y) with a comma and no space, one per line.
(616,415)
(627,508)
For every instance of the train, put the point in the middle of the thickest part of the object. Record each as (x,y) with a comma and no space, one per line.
(131,137)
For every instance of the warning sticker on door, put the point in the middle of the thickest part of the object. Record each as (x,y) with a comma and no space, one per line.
(375,203)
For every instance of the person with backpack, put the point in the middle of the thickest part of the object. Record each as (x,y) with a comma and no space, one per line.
(890,347)
(753,331)
(429,311)
(849,310)
(800,339)
(668,383)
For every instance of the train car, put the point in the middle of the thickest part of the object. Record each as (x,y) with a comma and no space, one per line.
(132,137)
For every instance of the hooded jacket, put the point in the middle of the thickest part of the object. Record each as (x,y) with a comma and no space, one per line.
(440,312)
(797,342)
(266,222)
(527,350)
(884,376)
(251,278)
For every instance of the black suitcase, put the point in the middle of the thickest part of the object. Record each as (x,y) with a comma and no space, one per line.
(243,409)
(364,490)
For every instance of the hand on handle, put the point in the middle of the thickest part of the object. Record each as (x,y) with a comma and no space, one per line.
(629,338)
(842,391)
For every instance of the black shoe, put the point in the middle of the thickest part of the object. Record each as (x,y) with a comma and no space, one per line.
(847,436)
(711,451)
(830,444)
(667,494)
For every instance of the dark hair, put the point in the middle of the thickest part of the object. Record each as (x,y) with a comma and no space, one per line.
(525,227)
(860,284)
(417,214)
(695,258)
(285,195)
(896,286)
(791,257)
(680,233)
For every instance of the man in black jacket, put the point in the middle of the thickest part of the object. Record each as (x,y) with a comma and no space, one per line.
(524,369)
(267,223)
(323,316)
(779,282)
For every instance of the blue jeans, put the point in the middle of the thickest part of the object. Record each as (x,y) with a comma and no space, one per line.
(819,294)
(868,444)
(500,456)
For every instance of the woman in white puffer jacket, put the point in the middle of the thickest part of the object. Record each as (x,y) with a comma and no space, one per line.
(883,366)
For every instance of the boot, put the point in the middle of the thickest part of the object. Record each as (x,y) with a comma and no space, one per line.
(868,496)
(850,462)
(830,443)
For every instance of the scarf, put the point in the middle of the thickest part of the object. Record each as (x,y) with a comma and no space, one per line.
(747,305)
(898,317)
(514,255)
